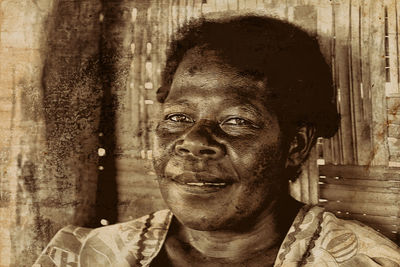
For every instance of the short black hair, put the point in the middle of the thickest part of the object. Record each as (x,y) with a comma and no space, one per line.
(298,78)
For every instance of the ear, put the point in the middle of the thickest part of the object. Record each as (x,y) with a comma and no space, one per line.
(301,145)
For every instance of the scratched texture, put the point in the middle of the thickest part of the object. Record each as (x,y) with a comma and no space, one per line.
(50,105)
(79,75)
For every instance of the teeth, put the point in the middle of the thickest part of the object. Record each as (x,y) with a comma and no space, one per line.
(203,184)
(197,184)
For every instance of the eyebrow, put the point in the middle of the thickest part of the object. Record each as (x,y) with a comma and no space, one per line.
(181,102)
(247,107)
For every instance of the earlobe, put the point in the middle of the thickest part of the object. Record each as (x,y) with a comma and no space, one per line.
(301,145)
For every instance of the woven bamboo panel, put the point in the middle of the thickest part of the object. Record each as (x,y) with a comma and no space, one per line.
(365,193)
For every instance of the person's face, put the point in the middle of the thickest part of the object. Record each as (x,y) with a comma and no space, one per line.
(218,148)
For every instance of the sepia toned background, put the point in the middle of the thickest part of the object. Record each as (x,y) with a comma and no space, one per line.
(77,100)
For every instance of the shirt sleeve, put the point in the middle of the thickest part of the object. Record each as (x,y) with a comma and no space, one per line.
(64,248)
(346,243)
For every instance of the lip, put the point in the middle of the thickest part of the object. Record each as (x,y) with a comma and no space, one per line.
(201,182)
(201,177)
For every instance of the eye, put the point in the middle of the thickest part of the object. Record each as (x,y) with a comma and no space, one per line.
(237,121)
(179,118)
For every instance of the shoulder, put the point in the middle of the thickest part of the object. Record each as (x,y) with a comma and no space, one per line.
(351,243)
(122,244)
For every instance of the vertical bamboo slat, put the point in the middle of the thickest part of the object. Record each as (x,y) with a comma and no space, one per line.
(335,141)
(260,5)
(365,60)
(241,5)
(325,31)
(277,10)
(360,126)
(132,95)
(251,4)
(313,177)
(343,83)
(396,8)
(377,74)
(391,24)
(152,77)
(141,41)
(222,5)
(232,5)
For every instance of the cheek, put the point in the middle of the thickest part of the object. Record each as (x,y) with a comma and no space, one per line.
(265,167)
(261,174)
(163,148)
(262,180)
(255,153)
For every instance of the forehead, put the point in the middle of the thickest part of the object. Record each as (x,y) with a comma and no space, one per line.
(205,73)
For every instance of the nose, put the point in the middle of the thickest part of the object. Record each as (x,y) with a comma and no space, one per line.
(199,142)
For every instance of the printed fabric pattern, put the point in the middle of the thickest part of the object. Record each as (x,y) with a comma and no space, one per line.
(134,243)
(316,239)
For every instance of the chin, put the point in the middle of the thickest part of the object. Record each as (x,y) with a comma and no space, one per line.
(202,221)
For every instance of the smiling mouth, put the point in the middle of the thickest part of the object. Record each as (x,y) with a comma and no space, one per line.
(201,181)
(202,184)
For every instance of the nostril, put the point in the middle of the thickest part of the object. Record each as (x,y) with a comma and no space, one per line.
(207,151)
(183,150)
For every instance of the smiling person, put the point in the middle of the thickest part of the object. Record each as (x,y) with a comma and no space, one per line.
(243,101)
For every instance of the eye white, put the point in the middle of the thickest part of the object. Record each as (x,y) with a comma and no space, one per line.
(235,121)
(179,118)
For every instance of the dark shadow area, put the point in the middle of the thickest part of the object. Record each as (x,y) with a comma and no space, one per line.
(106,194)
(72,95)
(113,71)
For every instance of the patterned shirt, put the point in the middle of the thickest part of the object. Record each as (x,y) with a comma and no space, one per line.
(316,238)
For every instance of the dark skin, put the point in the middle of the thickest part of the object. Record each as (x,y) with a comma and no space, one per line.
(220,154)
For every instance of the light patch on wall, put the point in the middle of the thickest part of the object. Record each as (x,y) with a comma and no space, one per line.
(149,154)
(394,164)
(149,67)
(104,222)
(134,14)
(101,152)
(148,48)
(133,46)
(148,85)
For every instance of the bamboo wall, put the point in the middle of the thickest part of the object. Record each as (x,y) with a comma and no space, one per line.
(79,75)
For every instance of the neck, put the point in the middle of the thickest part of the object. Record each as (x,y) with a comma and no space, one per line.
(265,235)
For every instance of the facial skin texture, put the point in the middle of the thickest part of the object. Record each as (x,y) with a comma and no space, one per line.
(215,122)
